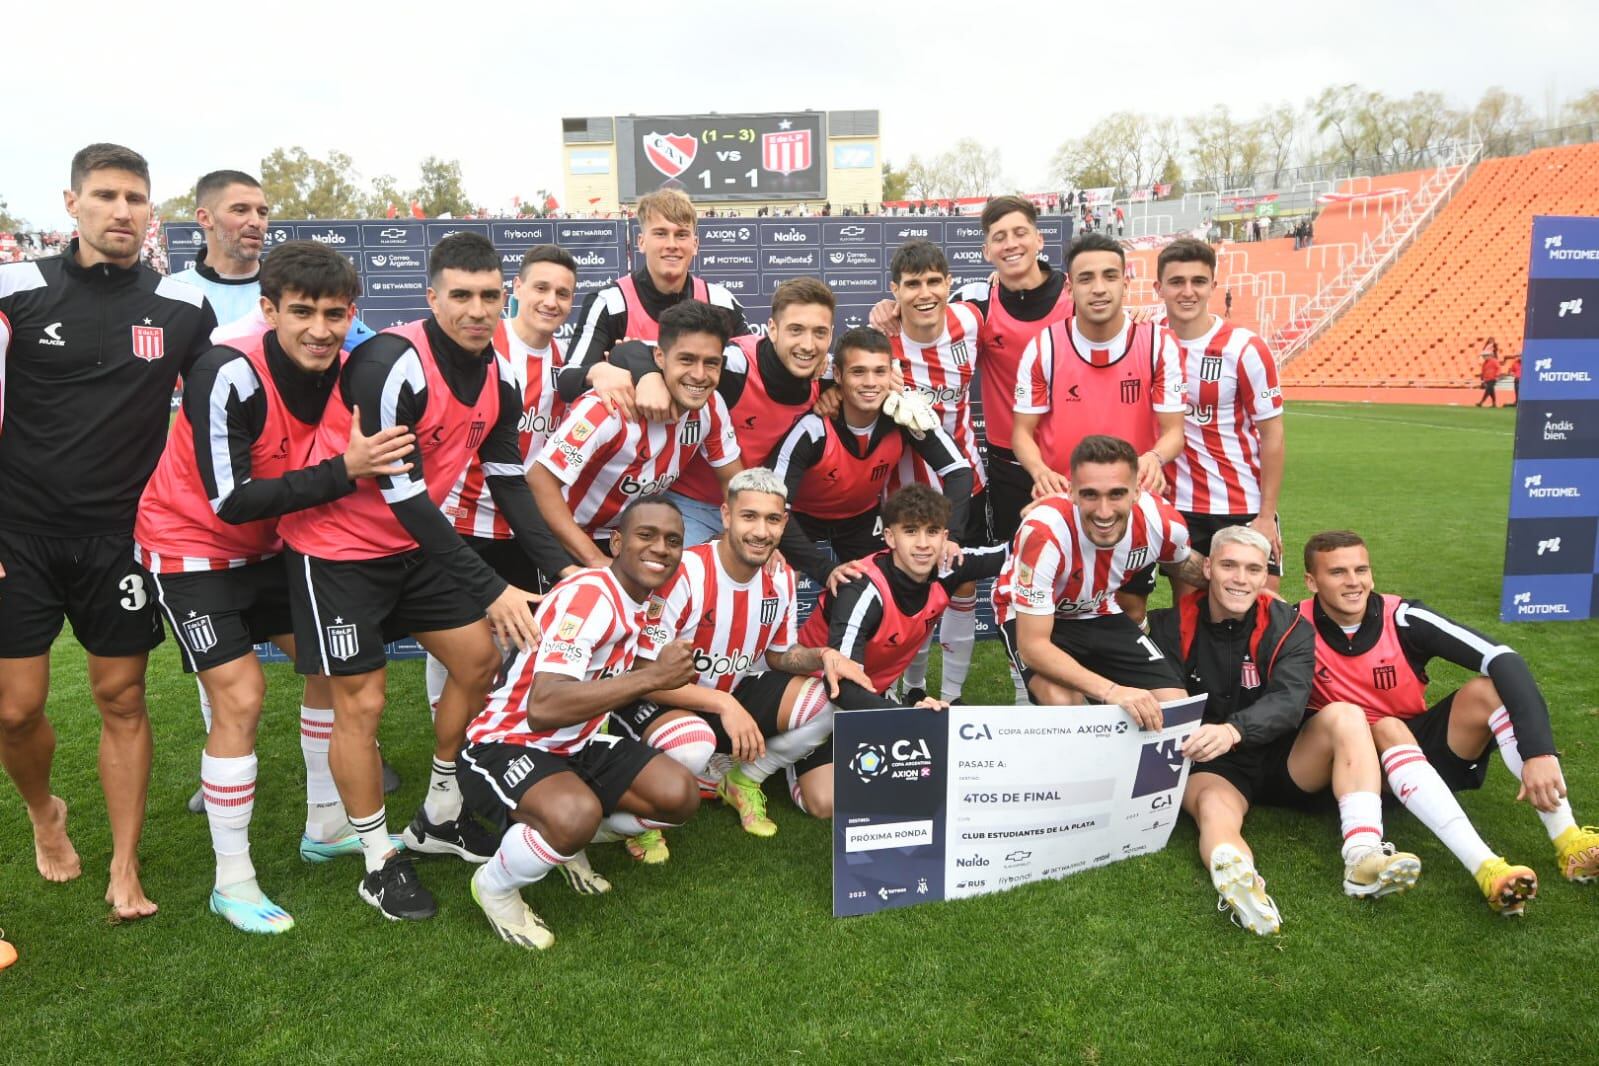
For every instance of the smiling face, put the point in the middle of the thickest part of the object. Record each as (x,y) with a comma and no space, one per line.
(917,546)
(922,299)
(1341,582)
(1104,494)
(544,299)
(236,219)
(311,330)
(1237,575)
(1013,245)
(467,304)
(1099,282)
(801,334)
(754,522)
(691,369)
(669,249)
(112,212)
(864,379)
(648,547)
(1185,288)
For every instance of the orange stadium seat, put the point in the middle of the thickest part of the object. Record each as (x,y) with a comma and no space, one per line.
(1462,280)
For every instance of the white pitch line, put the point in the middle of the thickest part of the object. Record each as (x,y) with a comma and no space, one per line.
(1400,422)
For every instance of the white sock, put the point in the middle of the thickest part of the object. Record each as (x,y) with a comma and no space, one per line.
(689,742)
(1023,697)
(374,833)
(1418,786)
(443,802)
(524,856)
(205,704)
(436,676)
(229,786)
(809,725)
(957,632)
(627,825)
(1360,815)
(1556,821)
(324,811)
(794,791)
(916,674)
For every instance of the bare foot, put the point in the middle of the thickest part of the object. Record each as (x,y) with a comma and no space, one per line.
(57,859)
(126,895)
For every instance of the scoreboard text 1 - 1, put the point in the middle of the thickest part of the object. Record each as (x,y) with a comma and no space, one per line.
(724,157)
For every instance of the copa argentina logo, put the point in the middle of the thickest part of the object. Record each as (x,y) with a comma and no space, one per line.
(905,760)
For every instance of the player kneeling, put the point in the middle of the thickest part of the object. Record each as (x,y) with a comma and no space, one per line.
(1255,657)
(749,698)
(535,757)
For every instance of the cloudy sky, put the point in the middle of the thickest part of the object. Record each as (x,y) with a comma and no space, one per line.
(197,86)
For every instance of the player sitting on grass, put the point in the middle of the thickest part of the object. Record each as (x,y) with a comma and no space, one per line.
(878,611)
(1373,651)
(535,756)
(1254,656)
(750,697)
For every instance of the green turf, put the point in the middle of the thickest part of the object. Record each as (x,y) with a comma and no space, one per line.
(729,953)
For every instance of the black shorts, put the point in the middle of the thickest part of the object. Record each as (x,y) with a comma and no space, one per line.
(1202,527)
(220,615)
(1010,488)
(849,538)
(506,558)
(92,582)
(979,531)
(1431,730)
(344,612)
(1112,646)
(494,777)
(759,694)
(1261,775)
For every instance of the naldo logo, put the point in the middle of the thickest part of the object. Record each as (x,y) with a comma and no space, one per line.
(869,762)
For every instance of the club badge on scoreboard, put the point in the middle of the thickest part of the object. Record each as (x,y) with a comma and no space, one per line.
(931,806)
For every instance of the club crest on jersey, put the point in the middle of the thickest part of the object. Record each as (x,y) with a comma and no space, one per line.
(671,153)
(1249,675)
(688,434)
(1136,558)
(199,634)
(343,642)
(1210,368)
(1131,388)
(768,610)
(1384,677)
(958,352)
(149,343)
(786,152)
(474,435)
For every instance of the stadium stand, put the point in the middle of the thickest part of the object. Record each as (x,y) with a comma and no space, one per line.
(1464,279)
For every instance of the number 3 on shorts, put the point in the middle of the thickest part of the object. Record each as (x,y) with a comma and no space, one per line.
(136,597)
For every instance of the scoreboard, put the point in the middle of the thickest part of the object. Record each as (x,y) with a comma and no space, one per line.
(724,157)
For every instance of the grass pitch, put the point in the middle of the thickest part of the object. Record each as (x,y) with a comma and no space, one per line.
(729,953)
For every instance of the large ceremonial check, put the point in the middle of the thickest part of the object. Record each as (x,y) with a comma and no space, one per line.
(930,806)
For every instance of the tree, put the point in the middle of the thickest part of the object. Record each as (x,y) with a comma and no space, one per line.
(1225,153)
(1355,118)
(386,191)
(1279,129)
(1125,149)
(971,169)
(894,182)
(1584,108)
(298,185)
(1418,122)
(10,223)
(179,208)
(442,191)
(925,180)
(1498,117)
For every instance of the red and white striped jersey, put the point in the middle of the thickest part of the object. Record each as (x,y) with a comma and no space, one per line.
(591,628)
(1232,388)
(469,505)
(731,625)
(942,372)
(604,459)
(1055,569)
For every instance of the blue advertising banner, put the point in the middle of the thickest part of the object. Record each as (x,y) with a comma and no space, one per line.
(1552,540)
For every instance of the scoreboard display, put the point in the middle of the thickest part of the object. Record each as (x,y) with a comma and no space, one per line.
(776,156)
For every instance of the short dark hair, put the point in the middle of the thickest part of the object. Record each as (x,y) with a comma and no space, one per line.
(861,339)
(1330,540)
(547,253)
(802,291)
(471,252)
(1000,206)
(656,499)
(918,257)
(693,316)
(1099,448)
(211,184)
(918,505)
(308,268)
(1186,250)
(1094,242)
(103,156)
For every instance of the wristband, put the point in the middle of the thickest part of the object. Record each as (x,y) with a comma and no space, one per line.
(1108,691)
